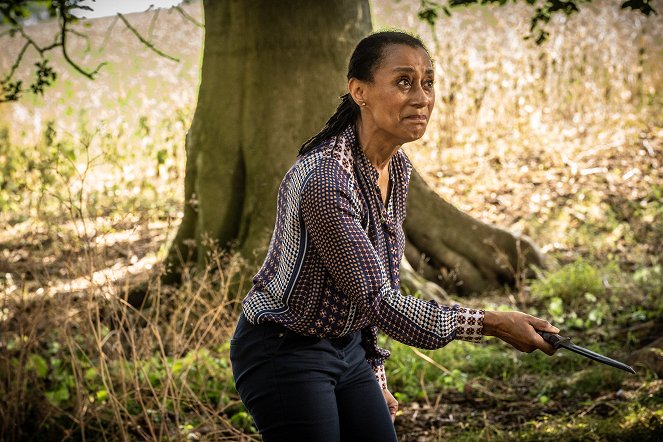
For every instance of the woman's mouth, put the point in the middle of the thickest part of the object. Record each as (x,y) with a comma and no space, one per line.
(417,118)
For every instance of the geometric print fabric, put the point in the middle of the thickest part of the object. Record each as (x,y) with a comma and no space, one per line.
(333,264)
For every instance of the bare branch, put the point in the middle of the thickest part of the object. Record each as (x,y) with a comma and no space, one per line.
(108,33)
(63,42)
(16,63)
(188,16)
(145,42)
(83,36)
(150,31)
(32,43)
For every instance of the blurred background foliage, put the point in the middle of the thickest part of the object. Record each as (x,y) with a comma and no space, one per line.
(561,141)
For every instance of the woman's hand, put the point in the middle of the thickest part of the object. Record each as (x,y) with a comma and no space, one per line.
(392,403)
(519,330)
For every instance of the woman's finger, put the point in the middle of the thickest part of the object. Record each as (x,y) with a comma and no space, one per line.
(542,344)
(392,404)
(543,325)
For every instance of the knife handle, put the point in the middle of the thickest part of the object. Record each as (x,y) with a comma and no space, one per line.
(553,338)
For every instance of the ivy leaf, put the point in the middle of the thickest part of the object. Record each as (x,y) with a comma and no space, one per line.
(91,374)
(102,395)
(37,364)
(11,90)
(45,77)
(56,397)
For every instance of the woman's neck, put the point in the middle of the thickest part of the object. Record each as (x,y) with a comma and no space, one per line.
(378,150)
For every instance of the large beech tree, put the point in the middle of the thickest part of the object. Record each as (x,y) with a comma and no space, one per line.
(272,73)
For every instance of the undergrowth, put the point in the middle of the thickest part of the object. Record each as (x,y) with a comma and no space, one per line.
(95,368)
(92,178)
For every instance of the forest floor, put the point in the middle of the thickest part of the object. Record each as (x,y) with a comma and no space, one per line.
(510,398)
(91,195)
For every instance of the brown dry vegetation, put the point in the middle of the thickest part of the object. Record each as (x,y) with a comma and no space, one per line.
(563,142)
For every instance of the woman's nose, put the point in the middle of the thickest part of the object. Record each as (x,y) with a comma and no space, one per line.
(420,97)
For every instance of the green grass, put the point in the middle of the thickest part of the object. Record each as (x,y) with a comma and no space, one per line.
(116,147)
(567,396)
(570,283)
(480,365)
(630,425)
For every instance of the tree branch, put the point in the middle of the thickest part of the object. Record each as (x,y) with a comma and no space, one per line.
(145,42)
(35,45)
(150,30)
(108,33)
(429,11)
(187,16)
(12,12)
(83,36)
(16,63)
(65,54)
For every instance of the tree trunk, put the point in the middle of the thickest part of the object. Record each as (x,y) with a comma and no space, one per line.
(466,255)
(272,73)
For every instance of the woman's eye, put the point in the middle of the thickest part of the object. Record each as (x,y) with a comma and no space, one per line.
(404,82)
(429,84)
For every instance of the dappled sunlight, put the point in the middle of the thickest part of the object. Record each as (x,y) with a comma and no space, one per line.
(103,281)
(100,256)
(562,143)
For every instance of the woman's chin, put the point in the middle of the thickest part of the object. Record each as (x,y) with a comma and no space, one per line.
(408,134)
(414,135)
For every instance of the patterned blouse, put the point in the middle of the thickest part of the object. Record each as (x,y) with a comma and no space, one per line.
(333,262)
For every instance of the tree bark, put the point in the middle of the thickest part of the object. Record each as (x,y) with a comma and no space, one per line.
(464,254)
(272,73)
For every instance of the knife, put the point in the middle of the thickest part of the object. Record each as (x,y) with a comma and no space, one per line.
(558,341)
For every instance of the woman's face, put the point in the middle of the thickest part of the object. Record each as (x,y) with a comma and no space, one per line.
(400,99)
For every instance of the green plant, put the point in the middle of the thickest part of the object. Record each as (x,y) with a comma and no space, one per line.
(112,370)
(649,279)
(594,380)
(570,283)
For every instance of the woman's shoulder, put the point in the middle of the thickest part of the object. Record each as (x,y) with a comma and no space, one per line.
(333,153)
(318,167)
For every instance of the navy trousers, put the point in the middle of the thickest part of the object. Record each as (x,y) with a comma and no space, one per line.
(302,388)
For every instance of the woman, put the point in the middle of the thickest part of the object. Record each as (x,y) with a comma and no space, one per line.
(304,355)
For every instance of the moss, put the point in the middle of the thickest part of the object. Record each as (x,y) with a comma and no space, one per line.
(595,380)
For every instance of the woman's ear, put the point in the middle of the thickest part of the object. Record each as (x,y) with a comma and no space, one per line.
(357,90)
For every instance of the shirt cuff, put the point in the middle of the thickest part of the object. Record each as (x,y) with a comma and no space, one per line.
(381,376)
(469,324)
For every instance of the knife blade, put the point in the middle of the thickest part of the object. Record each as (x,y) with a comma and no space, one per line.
(558,341)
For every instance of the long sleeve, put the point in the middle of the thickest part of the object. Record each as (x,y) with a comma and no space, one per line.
(331,212)
(375,355)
